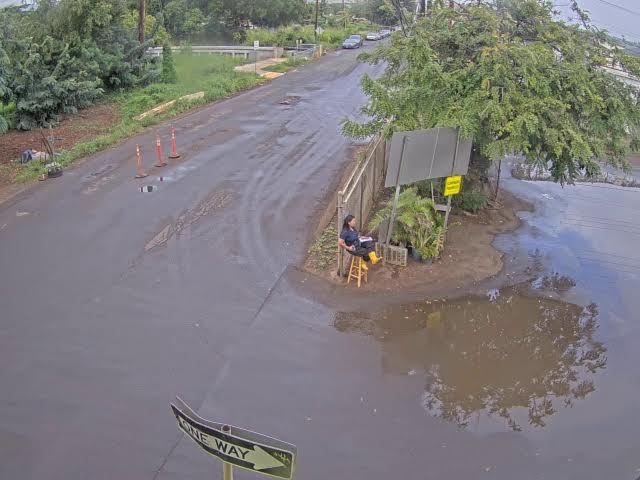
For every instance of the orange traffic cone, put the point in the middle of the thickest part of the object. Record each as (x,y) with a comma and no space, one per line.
(174,148)
(141,173)
(159,162)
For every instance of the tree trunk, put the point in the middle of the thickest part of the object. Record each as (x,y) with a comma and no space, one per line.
(495,195)
(141,20)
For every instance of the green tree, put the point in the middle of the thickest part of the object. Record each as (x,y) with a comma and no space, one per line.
(174,15)
(168,68)
(152,29)
(381,12)
(4,87)
(344,18)
(515,79)
(48,80)
(194,21)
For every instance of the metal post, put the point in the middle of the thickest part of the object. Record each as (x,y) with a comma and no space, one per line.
(227,471)
(453,167)
(227,468)
(362,179)
(397,195)
(446,215)
(340,215)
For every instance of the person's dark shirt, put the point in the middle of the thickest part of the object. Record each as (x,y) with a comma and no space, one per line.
(349,236)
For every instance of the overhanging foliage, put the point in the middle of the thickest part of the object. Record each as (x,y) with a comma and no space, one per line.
(515,79)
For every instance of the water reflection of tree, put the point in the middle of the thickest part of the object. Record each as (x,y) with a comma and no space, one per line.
(515,352)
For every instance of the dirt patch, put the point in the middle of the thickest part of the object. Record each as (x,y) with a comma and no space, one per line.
(86,124)
(468,258)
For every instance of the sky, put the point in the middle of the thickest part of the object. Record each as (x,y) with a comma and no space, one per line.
(621,17)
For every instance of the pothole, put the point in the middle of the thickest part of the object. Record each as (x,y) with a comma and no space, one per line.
(290,100)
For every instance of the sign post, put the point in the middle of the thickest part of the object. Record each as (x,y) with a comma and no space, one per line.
(394,209)
(453,183)
(236,446)
(256,46)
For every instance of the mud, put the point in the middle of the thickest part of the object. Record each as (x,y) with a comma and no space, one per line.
(462,266)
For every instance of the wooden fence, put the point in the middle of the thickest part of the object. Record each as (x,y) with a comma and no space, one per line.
(359,192)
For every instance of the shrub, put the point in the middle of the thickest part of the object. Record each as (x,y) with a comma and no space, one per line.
(168,68)
(471,200)
(48,81)
(417,222)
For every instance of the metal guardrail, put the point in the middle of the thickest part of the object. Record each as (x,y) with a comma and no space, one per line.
(302,50)
(233,50)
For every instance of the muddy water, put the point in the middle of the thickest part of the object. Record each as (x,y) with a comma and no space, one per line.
(506,361)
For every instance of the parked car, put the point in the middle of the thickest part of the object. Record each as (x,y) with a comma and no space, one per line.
(359,39)
(373,36)
(385,32)
(350,43)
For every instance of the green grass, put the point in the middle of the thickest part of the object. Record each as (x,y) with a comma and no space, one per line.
(291,63)
(212,74)
(323,252)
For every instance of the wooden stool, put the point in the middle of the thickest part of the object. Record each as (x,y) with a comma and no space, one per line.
(356,271)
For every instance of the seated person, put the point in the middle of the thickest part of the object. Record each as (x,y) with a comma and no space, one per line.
(354,244)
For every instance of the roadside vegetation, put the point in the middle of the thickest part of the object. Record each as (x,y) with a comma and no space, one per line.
(331,37)
(64,56)
(517,80)
(212,74)
(290,64)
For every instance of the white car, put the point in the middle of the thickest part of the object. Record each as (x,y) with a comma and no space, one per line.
(373,36)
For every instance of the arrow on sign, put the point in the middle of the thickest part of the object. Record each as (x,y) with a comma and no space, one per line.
(262,460)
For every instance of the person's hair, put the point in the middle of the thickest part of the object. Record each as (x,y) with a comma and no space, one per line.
(347,219)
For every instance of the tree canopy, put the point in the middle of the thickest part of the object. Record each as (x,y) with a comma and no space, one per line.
(515,79)
(65,54)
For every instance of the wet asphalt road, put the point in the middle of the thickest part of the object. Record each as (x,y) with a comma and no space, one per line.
(114,301)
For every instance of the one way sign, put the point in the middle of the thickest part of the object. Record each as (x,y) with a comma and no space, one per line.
(237,446)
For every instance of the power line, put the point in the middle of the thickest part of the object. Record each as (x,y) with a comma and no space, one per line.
(620,7)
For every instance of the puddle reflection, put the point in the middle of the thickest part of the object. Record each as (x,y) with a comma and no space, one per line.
(509,356)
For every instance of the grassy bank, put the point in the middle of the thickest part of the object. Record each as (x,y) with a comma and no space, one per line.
(291,63)
(213,74)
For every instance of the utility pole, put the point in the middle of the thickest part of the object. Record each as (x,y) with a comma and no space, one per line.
(141,18)
(422,7)
(316,29)
(345,16)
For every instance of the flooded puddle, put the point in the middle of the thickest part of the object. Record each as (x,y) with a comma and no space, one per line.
(507,360)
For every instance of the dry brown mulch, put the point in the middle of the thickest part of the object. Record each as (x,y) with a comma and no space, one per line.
(84,125)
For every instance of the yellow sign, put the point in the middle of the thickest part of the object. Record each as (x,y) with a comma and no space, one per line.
(452,185)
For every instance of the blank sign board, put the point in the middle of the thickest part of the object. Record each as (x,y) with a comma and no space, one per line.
(432,153)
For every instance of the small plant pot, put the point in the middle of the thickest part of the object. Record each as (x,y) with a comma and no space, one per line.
(415,254)
(427,260)
(54,173)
